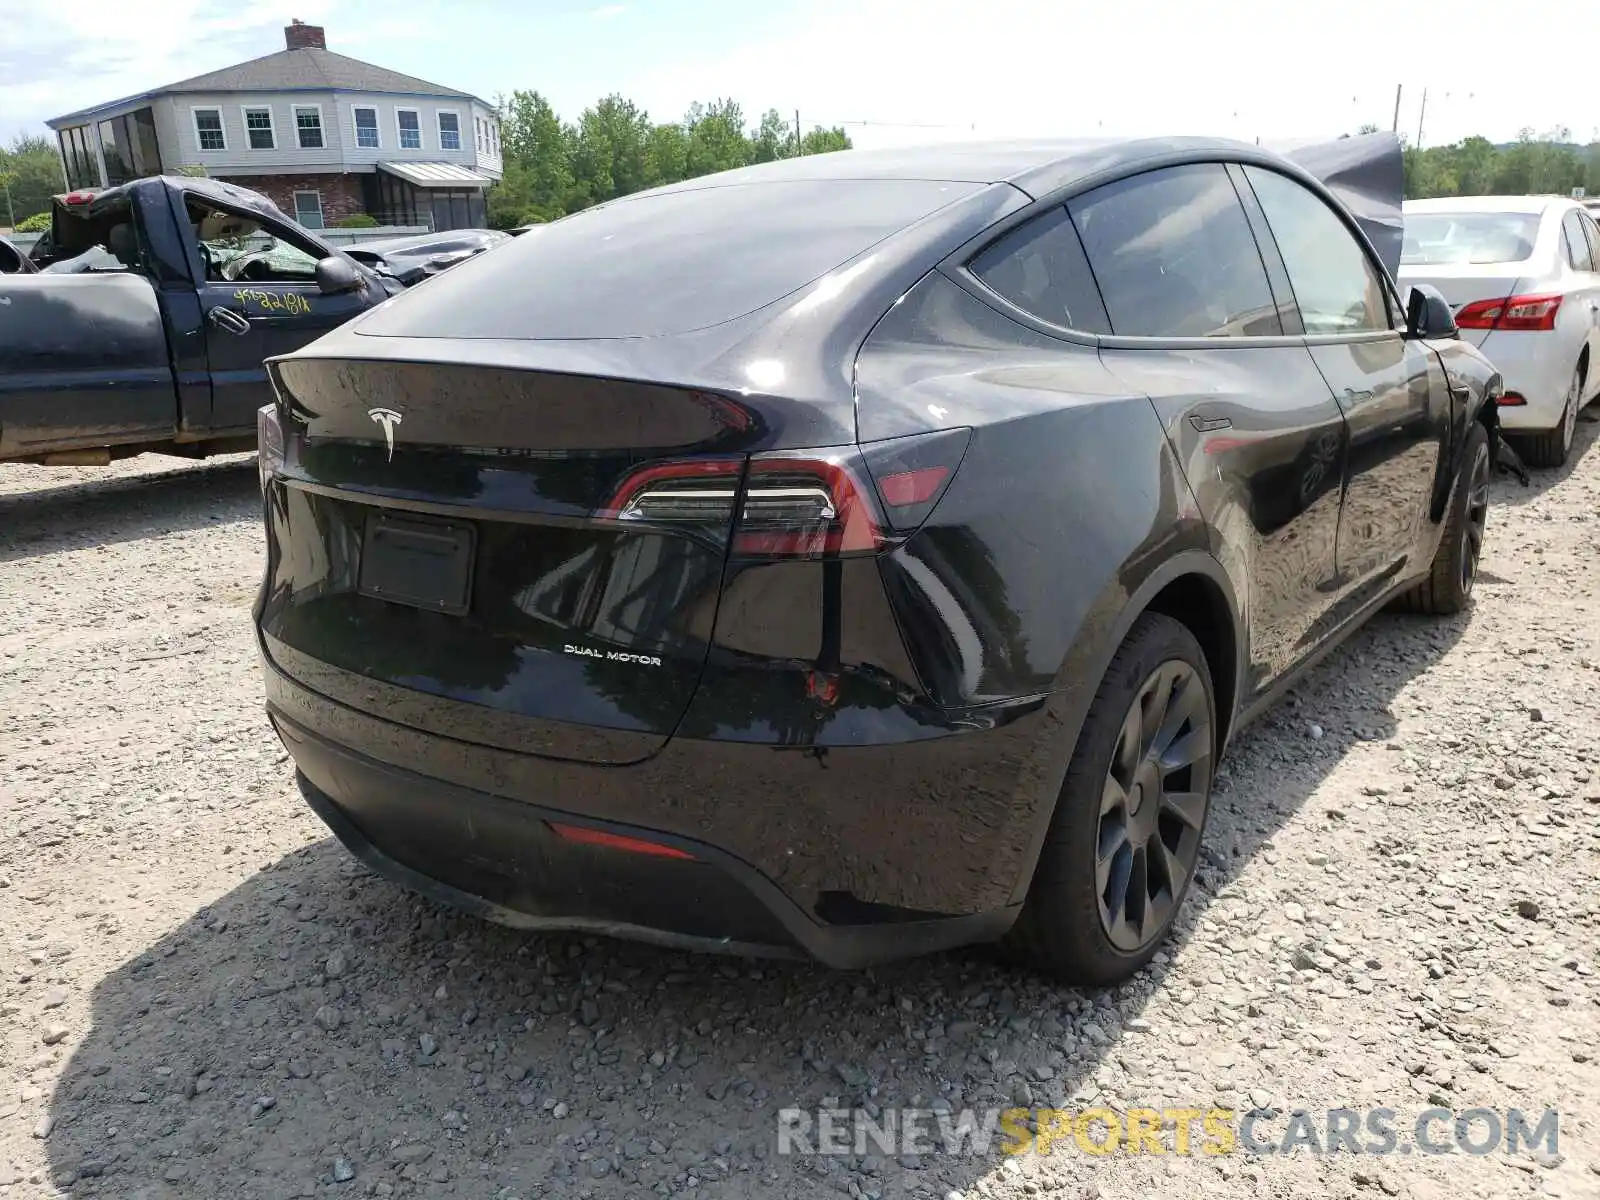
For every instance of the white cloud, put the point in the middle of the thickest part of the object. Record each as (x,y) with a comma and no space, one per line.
(608,11)
(57,58)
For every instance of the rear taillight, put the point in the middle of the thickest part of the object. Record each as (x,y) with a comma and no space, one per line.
(818,503)
(913,472)
(269,443)
(1512,400)
(690,491)
(1524,313)
(808,504)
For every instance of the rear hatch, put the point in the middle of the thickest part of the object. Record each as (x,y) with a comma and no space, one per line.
(452,547)
(479,583)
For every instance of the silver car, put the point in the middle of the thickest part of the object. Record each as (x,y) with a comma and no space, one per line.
(1521,273)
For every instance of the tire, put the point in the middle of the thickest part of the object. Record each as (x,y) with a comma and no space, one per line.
(1550,448)
(1066,928)
(1448,587)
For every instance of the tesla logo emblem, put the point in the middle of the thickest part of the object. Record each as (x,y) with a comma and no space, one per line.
(388,419)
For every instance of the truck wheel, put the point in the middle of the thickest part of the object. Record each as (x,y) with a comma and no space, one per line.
(1124,843)
(1550,448)
(1448,587)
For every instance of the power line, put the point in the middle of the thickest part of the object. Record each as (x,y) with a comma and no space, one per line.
(897,125)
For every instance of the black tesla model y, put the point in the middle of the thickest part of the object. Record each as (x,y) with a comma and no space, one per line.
(860,554)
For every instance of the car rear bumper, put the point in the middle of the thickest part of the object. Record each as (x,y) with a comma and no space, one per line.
(467,826)
(1535,367)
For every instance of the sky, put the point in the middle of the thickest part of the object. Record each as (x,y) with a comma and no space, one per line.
(891,71)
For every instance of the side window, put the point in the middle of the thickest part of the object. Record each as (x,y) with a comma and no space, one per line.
(241,249)
(1593,232)
(1040,267)
(1577,245)
(1335,283)
(1174,256)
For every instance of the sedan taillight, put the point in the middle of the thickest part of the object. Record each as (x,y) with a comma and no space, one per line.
(818,503)
(1524,313)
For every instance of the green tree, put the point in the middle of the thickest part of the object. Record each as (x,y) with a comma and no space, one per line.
(668,156)
(824,141)
(716,137)
(537,152)
(1534,164)
(774,138)
(32,169)
(552,168)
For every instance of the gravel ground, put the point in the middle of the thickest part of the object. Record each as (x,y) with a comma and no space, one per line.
(203,995)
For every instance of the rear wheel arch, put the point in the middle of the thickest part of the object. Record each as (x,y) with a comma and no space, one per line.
(1200,602)
(1193,588)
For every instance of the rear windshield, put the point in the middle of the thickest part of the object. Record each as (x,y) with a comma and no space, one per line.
(663,264)
(1439,238)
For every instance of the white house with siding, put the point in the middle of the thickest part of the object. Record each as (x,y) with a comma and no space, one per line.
(323,135)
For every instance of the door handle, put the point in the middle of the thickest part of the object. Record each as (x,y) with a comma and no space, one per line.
(228,321)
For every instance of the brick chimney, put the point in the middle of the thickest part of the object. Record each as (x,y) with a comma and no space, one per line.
(297,35)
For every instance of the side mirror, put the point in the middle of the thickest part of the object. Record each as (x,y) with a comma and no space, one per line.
(336,275)
(1428,313)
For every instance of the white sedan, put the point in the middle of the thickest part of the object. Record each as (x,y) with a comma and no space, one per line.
(1523,275)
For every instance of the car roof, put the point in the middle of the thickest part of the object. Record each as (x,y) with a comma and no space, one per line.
(1035,165)
(1487,204)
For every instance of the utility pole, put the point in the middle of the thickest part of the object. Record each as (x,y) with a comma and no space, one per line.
(797,133)
(1420,115)
(1395,128)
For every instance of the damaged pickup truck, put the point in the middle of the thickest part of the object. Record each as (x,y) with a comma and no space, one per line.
(147,328)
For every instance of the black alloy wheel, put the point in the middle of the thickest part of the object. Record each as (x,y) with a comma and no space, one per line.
(1124,841)
(1476,517)
(1153,808)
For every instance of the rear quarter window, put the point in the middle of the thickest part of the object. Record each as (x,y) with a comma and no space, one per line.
(1577,243)
(663,263)
(1041,268)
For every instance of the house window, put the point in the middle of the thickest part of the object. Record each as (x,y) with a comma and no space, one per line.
(308,126)
(477,133)
(367,128)
(82,171)
(112,140)
(494,139)
(208,129)
(142,140)
(308,209)
(449,131)
(410,125)
(258,129)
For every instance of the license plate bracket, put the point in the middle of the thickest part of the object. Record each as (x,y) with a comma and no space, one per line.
(420,563)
